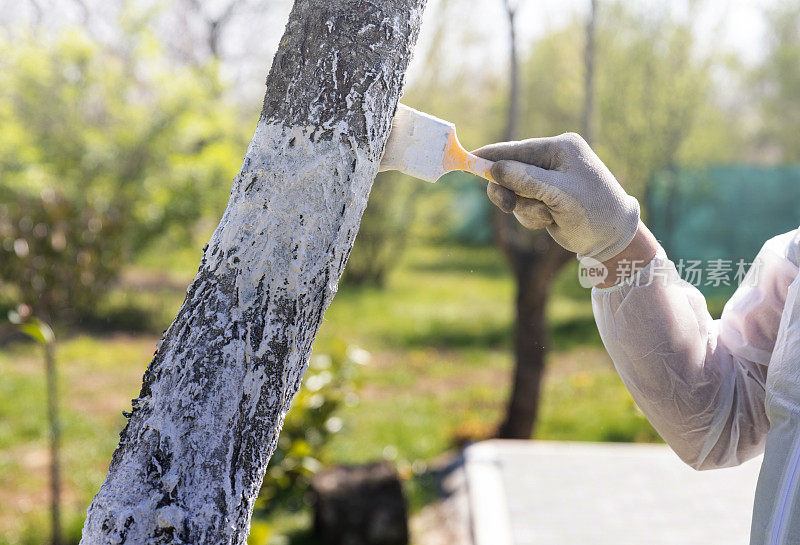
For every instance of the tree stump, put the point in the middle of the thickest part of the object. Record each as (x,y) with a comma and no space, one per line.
(360,505)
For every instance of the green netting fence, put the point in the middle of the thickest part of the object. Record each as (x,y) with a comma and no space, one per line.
(722,212)
(707,214)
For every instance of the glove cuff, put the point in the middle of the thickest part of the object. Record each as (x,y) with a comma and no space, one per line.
(625,228)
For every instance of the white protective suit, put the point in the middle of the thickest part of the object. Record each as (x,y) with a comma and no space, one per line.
(718,391)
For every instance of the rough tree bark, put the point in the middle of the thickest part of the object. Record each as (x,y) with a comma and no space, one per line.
(192,457)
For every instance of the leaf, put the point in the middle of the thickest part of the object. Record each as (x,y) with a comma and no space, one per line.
(38,331)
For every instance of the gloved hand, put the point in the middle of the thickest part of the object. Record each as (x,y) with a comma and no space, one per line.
(560,183)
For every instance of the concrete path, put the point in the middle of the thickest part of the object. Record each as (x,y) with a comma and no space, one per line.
(549,493)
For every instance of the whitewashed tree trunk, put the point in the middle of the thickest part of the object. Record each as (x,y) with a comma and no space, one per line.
(190,462)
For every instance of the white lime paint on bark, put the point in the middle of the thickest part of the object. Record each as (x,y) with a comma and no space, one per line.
(191,460)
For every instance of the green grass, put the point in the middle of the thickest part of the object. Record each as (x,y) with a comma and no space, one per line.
(98,377)
(584,400)
(439,335)
(432,300)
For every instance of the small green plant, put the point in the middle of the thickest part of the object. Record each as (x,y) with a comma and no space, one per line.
(309,425)
(43,334)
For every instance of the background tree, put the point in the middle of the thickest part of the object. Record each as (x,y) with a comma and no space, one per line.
(651,88)
(215,22)
(193,455)
(649,93)
(654,102)
(535,260)
(384,230)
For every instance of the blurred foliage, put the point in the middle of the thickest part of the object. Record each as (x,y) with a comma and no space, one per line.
(102,150)
(552,104)
(652,84)
(777,83)
(384,230)
(57,278)
(657,103)
(310,424)
(260,533)
(653,95)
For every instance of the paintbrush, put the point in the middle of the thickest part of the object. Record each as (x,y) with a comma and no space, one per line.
(426,147)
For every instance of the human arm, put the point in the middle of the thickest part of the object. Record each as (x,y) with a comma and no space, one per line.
(700,382)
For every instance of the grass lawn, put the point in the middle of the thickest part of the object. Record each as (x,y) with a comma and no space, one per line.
(439,335)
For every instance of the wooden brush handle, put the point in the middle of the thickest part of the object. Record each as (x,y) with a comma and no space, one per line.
(479,166)
(457,158)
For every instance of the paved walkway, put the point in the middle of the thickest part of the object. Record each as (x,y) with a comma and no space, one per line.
(548,493)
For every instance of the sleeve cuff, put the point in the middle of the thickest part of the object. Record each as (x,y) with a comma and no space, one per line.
(635,278)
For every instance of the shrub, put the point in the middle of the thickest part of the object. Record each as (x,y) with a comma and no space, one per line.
(101,152)
(309,425)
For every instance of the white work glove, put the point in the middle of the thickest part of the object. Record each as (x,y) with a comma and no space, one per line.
(560,183)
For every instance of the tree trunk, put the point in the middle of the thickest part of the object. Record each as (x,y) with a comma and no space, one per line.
(588,98)
(535,259)
(512,119)
(190,462)
(529,352)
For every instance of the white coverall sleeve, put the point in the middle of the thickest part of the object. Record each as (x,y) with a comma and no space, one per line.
(699,381)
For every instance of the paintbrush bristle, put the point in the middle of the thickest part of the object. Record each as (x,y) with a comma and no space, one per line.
(417,143)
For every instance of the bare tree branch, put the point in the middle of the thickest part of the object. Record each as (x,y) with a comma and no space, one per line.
(588,104)
(38,11)
(85,12)
(216,25)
